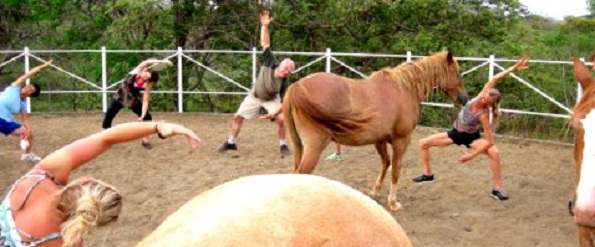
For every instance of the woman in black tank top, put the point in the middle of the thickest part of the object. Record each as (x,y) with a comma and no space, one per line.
(466,132)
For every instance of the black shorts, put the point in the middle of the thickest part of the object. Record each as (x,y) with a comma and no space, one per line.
(463,138)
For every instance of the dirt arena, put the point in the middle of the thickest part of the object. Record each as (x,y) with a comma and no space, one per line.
(454,211)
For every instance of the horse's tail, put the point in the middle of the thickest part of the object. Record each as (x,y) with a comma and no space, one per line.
(288,114)
(337,122)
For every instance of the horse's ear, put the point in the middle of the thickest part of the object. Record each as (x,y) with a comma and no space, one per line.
(591,57)
(449,57)
(581,72)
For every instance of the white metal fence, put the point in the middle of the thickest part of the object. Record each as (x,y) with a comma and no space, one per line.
(105,88)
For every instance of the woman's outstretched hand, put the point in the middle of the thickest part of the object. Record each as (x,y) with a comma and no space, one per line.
(171,129)
(521,64)
(465,157)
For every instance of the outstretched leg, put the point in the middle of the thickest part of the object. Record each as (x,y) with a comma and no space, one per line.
(382,150)
(399,147)
(435,140)
(111,113)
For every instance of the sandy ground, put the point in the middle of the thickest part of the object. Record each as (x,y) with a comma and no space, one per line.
(454,211)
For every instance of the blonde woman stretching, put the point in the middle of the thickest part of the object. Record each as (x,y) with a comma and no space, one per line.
(43,209)
(466,132)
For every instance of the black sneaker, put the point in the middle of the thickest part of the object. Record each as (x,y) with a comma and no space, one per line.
(284,150)
(227,146)
(424,178)
(499,195)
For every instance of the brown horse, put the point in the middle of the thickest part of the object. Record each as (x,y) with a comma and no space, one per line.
(584,210)
(383,108)
(279,210)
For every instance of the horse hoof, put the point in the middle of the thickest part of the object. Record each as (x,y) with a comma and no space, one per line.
(395,207)
(375,190)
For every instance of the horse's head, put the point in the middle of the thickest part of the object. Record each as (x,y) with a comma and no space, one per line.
(584,209)
(453,83)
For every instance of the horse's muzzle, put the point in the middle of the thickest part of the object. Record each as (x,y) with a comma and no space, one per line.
(583,216)
(462,99)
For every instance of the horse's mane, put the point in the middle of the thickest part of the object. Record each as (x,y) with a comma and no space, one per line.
(418,76)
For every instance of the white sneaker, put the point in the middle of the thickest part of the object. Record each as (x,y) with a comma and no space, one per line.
(30,157)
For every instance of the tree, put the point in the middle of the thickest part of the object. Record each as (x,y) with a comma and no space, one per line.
(591,6)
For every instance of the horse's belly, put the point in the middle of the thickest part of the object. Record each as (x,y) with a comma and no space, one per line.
(361,140)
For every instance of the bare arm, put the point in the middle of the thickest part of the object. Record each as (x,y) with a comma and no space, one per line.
(272,115)
(145,64)
(265,40)
(62,162)
(21,81)
(489,136)
(518,66)
(146,97)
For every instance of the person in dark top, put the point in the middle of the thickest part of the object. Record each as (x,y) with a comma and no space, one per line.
(129,94)
(267,92)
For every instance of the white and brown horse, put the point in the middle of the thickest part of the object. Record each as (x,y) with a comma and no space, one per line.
(279,210)
(383,108)
(583,123)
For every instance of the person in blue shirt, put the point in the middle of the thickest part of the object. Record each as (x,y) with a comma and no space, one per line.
(13,101)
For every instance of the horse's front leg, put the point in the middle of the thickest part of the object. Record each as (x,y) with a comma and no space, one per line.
(381,149)
(399,148)
(585,236)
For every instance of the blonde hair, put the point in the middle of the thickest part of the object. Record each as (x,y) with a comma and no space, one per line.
(86,203)
(495,96)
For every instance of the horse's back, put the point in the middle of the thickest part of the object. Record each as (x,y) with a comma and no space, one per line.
(279,210)
(323,85)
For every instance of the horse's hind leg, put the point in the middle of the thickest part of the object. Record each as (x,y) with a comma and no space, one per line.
(291,116)
(399,148)
(381,149)
(313,141)
(296,142)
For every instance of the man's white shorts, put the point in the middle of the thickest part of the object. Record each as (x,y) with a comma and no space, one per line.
(251,105)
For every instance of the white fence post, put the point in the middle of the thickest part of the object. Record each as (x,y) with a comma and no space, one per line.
(103,79)
(180,89)
(491,67)
(254,61)
(409,58)
(579,90)
(328,60)
(28,80)
(491,75)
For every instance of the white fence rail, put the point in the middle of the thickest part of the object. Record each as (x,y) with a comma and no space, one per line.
(103,87)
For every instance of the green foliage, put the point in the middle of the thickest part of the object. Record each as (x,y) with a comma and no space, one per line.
(466,27)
